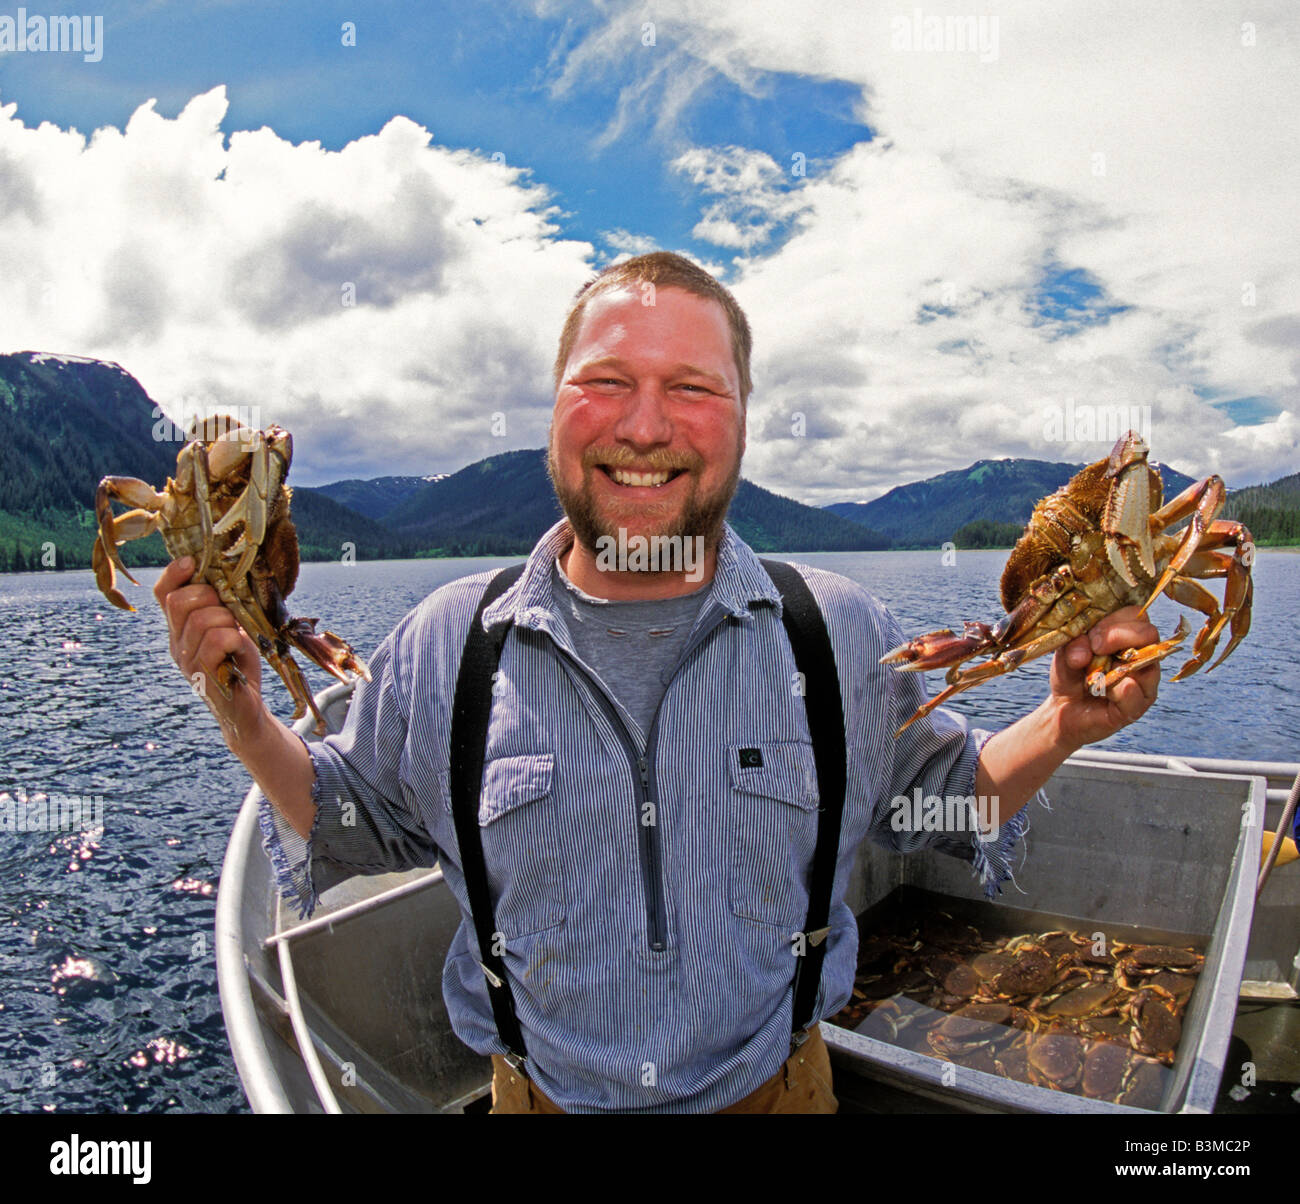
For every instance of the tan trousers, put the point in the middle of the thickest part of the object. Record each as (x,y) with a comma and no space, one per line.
(803,1084)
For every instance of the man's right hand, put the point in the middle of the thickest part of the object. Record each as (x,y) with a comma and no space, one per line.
(203,634)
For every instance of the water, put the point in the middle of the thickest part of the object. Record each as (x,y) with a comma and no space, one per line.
(1247,708)
(110,999)
(110,995)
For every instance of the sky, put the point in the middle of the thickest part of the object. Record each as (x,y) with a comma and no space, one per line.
(961,231)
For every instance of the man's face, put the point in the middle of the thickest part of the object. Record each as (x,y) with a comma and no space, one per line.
(648,430)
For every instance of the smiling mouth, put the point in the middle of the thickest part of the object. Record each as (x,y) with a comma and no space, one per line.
(640,480)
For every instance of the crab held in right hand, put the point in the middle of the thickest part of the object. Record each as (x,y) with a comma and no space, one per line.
(228,508)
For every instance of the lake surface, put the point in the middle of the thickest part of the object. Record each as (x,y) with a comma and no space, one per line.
(110,998)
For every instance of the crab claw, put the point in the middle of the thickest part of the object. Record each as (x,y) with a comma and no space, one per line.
(116,531)
(103,563)
(328,651)
(939,649)
(1127,517)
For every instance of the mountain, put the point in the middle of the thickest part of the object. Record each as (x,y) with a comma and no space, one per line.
(504,503)
(376,498)
(927,513)
(494,507)
(67,421)
(326,528)
(769,522)
(1272,512)
(1282,494)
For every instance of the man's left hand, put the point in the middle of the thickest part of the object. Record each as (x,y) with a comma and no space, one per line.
(1082,719)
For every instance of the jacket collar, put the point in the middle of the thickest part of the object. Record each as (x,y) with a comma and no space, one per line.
(739,582)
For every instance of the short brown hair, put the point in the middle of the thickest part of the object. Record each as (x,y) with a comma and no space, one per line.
(663,269)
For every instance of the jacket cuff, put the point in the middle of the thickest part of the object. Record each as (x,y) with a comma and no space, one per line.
(994,852)
(290,854)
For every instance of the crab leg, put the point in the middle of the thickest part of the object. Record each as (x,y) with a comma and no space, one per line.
(135,524)
(939,649)
(1004,662)
(332,654)
(1238,591)
(1132,660)
(116,531)
(133,492)
(1043,595)
(251,509)
(1192,593)
(276,652)
(1203,500)
(197,475)
(1241,610)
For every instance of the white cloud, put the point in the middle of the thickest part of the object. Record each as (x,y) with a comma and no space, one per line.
(1144,145)
(888,288)
(627,243)
(217,273)
(750,187)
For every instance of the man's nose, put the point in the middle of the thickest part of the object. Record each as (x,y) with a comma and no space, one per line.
(645,420)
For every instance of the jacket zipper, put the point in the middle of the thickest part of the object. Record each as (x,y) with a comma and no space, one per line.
(647,834)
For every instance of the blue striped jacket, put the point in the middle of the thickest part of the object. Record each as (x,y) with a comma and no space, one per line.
(651,963)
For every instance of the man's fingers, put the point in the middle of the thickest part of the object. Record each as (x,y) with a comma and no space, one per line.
(1149,682)
(1078,652)
(198,623)
(1124,629)
(1135,694)
(181,604)
(216,644)
(172,577)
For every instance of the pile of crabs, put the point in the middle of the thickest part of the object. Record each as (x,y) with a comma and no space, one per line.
(1063,1010)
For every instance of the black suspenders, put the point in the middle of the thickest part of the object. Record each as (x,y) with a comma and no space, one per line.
(815,661)
(469,723)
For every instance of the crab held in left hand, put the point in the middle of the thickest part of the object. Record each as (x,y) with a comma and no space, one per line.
(228,508)
(1095,546)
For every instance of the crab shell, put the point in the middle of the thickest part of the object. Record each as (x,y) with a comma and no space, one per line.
(1088,494)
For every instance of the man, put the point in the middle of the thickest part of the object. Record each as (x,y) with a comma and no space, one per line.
(649,803)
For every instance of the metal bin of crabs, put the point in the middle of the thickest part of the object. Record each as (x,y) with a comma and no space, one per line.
(1056,1009)
(228,507)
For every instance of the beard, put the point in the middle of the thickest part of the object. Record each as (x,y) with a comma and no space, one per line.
(699,514)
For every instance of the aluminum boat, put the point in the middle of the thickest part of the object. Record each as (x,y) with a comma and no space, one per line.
(343,1012)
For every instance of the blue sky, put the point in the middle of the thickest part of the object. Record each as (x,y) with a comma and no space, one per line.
(939,245)
(484,85)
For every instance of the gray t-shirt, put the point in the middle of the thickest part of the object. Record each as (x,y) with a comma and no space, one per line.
(633,647)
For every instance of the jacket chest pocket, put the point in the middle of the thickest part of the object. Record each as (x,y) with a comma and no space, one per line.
(772,818)
(520,831)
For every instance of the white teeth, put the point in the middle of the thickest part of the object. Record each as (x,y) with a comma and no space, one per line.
(641,479)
